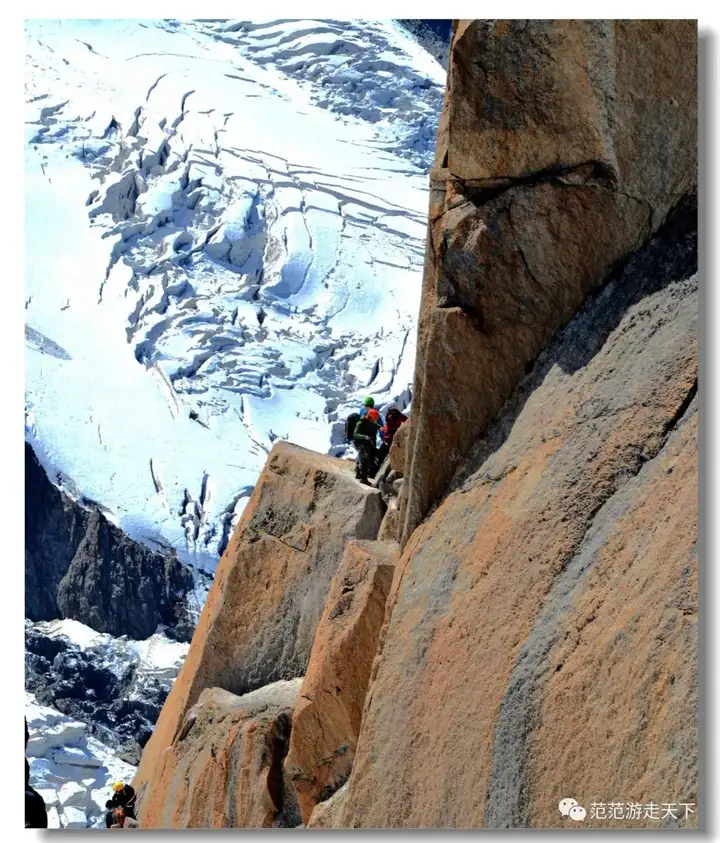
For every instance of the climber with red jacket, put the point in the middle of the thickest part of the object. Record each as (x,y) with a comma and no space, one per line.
(393,419)
(365,438)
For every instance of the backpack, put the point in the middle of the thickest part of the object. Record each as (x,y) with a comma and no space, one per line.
(350,425)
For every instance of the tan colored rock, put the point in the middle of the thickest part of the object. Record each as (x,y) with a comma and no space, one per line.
(398,448)
(529,96)
(390,523)
(563,146)
(259,620)
(224,767)
(540,635)
(326,814)
(542,629)
(327,719)
(631,635)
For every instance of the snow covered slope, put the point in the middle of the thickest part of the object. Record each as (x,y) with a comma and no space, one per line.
(225,233)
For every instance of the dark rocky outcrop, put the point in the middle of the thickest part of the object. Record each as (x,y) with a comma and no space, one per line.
(79,565)
(119,708)
(433,35)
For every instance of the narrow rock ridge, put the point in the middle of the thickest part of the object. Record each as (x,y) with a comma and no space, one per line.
(328,716)
(259,621)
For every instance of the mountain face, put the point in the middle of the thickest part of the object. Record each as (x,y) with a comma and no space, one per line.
(249,203)
(80,566)
(543,185)
(535,655)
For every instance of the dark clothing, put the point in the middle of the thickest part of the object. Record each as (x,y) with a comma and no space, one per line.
(366,463)
(366,430)
(35,810)
(124,798)
(382,452)
(365,437)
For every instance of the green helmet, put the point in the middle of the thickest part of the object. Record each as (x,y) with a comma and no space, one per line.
(369,402)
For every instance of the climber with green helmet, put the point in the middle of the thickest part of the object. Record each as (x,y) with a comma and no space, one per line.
(368,404)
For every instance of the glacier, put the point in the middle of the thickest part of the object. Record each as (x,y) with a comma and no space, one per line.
(225,225)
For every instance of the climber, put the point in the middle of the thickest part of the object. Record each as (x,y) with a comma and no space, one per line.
(354,418)
(365,438)
(368,404)
(122,819)
(123,797)
(393,419)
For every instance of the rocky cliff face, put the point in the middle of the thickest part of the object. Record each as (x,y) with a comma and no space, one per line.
(539,637)
(225,768)
(562,147)
(326,721)
(543,631)
(78,565)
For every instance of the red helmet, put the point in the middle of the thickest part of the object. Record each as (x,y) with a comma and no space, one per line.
(373,416)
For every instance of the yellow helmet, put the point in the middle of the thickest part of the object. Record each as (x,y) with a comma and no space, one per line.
(118,786)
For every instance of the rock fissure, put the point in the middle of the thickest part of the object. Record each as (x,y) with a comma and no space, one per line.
(681,411)
(589,173)
(521,252)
